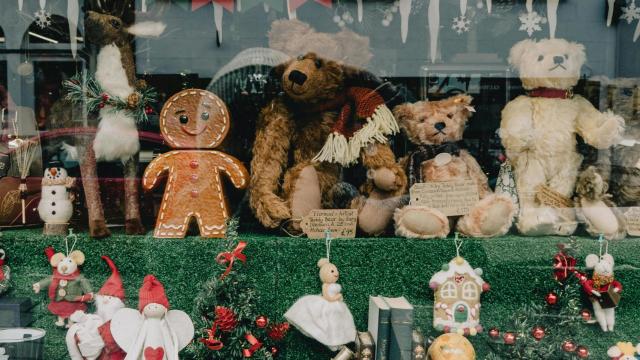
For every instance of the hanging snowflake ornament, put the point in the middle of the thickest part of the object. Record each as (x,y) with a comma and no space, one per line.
(460,24)
(530,22)
(630,12)
(43,18)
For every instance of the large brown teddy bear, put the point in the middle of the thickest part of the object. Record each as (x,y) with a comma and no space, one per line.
(436,127)
(328,117)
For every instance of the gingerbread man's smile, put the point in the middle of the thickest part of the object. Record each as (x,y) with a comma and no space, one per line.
(197,131)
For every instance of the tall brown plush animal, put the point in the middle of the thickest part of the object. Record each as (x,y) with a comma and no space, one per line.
(437,128)
(321,123)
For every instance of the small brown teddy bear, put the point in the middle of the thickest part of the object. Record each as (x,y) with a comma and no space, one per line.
(194,122)
(326,119)
(437,128)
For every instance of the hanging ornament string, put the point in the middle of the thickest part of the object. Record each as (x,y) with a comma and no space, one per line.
(327,243)
(603,243)
(552,15)
(43,3)
(434,28)
(66,241)
(458,243)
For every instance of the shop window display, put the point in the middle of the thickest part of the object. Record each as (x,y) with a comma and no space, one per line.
(196,143)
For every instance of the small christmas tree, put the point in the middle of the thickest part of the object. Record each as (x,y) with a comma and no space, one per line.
(547,329)
(227,323)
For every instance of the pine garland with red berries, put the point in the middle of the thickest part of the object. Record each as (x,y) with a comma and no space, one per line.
(547,329)
(227,323)
(84,90)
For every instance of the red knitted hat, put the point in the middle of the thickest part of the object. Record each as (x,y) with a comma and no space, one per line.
(152,292)
(49,252)
(113,286)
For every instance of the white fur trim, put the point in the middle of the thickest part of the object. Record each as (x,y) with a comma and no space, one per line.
(117,136)
(346,152)
(147,29)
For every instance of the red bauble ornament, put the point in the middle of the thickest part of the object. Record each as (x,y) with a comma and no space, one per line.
(585,314)
(538,333)
(509,338)
(148,110)
(225,319)
(551,298)
(262,321)
(274,351)
(105,97)
(101,105)
(568,346)
(277,332)
(494,333)
(582,352)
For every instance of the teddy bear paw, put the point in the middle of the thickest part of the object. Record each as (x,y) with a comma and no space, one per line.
(387,179)
(493,216)
(421,222)
(272,210)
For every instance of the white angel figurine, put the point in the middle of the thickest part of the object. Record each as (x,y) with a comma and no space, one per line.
(325,317)
(153,332)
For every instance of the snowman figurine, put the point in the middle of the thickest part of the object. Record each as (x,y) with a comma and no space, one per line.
(56,207)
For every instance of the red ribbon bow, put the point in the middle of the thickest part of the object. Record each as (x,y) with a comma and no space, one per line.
(255,345)
(211,342)
(227,258)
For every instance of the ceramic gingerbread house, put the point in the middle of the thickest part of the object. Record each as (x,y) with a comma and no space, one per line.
(457,289)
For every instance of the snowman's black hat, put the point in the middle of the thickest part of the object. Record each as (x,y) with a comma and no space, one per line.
(55,163)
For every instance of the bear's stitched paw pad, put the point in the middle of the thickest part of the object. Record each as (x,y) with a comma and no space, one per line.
(421,222)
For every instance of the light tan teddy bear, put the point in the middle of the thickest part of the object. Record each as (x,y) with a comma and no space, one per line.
(436,127)
(538,131)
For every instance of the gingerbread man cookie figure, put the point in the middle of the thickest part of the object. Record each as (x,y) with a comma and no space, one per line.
(193,122)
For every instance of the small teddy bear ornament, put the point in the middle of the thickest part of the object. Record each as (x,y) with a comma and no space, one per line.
(325,317)
(68,290)
(194,122)
(56,207)
(624,351)
(153,332)
(436,127)
(603,290)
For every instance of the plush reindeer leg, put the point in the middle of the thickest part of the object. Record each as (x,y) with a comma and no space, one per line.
(133,224)
(88,171)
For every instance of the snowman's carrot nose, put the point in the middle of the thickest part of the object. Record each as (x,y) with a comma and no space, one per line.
(53,171)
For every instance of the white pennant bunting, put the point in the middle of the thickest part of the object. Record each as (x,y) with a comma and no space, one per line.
(552,17)
(636,34)
(266,7)
(489,5)
(405,11)
(611,4)
(434,27)
(218,10)
(360,10)
(73,11)
(292,13)
(43,4)
(20,4)
(143,5)
(239,5)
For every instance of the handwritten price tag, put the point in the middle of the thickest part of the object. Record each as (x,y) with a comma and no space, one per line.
(633,220)
(452,198)
(341,222)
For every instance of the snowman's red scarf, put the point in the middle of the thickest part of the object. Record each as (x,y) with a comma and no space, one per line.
(55,281)
(363,118)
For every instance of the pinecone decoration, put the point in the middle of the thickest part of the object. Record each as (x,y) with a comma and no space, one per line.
(277,332)
(225,319)
(133,99)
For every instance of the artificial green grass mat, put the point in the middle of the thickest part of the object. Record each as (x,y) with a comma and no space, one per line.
(285,269)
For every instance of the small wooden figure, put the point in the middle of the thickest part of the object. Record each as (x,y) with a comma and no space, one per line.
(194,122)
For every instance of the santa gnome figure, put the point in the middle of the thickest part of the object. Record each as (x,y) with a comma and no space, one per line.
(90,336)
(153,331)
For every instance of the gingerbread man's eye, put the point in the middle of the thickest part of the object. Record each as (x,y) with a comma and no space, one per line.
(204,116)
(183,119)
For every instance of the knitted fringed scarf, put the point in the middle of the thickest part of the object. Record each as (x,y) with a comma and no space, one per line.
(364,118)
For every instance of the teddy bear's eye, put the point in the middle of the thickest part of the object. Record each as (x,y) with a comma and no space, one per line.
(204,116)
(566,56)
(540,58)
(450,115)
(318,64)
(300,57)
(183,119)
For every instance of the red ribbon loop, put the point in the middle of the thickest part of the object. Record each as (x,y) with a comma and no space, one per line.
(211,342)
(227,258)
(255,345)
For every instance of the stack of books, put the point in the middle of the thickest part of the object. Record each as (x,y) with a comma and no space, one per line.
(391,327)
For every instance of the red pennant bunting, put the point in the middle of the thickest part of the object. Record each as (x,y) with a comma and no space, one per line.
(227,4)
(326,3)
(294,4)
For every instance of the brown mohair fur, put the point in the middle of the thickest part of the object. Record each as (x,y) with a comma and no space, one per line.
(291,131)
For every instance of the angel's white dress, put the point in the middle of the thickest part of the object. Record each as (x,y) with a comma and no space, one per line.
(329,322)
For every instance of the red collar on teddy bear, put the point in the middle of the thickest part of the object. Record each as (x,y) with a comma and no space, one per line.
(551,93)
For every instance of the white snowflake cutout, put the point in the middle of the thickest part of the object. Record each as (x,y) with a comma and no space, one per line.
(531,22)
(630,12)
(43,18)
(460,24)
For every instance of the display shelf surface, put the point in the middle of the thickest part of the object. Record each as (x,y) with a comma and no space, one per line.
(285,268)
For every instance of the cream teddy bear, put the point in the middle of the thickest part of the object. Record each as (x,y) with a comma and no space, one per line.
(538,131)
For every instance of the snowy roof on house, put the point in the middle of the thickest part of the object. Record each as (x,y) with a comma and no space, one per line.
(457,265)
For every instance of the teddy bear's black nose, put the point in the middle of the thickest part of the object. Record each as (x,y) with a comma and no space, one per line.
(297,77)
(558,60)
(439,126)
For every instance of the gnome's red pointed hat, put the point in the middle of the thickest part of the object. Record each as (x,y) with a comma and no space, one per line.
(113,286)
(152,292)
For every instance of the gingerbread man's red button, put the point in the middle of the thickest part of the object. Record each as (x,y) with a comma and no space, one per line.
(194,178)
(193,164)
(194,193)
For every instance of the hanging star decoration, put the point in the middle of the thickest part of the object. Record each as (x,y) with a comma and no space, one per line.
(43,18)
(630,12)
(531,22)
(460,24)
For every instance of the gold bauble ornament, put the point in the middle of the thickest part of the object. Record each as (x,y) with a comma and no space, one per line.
(451,346)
